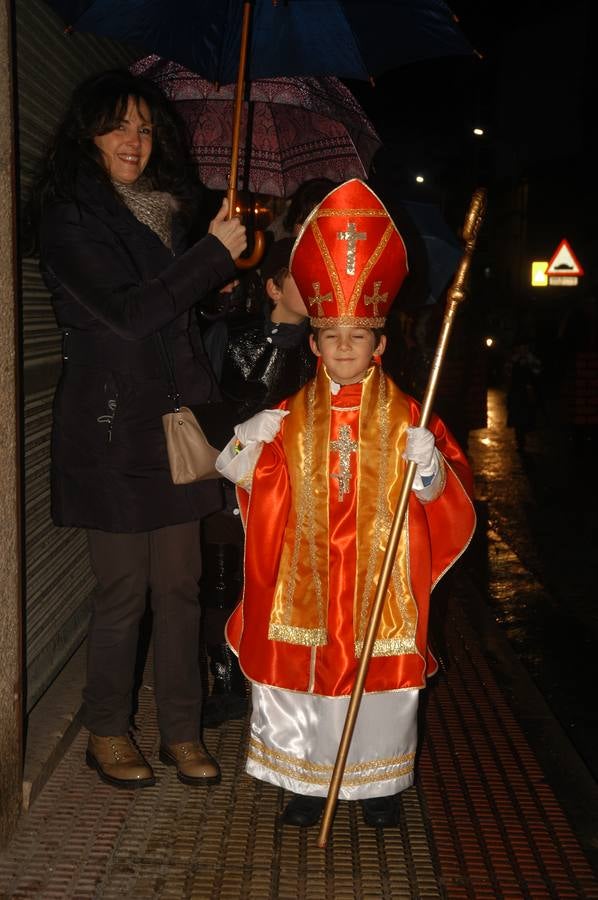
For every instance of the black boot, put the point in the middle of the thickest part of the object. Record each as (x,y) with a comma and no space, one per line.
(228,699)
(220,590)
(303,811)
(381,812)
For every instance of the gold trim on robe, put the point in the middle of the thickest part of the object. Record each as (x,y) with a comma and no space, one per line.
(291,766)
(300,609)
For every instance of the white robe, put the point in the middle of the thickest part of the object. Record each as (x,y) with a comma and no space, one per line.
(294,740)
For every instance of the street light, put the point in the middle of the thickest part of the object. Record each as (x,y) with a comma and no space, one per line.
(420,179)
(479,132)
(539,276)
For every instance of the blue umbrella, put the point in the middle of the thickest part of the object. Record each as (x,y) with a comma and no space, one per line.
(346,38)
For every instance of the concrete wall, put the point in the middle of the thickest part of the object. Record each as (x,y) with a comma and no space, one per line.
(10,599)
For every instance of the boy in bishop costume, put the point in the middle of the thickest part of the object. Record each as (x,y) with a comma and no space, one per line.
(318,480)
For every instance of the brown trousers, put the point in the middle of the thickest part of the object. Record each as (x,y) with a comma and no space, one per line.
(167,563)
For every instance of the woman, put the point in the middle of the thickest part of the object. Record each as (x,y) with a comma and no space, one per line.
(112,205)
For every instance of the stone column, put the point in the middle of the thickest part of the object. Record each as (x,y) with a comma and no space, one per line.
(10,414)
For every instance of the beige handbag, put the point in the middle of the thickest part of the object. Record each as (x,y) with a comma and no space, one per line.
(190,455)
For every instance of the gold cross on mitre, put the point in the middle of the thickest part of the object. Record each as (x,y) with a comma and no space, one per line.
(376,298)
(351,236)
(324,298)
(344,446)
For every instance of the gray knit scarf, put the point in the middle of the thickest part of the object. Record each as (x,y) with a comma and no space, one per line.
(153,208)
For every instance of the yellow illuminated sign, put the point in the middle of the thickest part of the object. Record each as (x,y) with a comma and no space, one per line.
(539,276)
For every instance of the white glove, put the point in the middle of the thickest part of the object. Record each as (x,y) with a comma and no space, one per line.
(264,426)
(421,449)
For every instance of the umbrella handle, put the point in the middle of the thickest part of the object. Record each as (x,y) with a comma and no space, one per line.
(259,238)
(243,262)
(259,246)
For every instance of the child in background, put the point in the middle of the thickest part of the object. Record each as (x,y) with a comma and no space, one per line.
(267,358)
(259,351)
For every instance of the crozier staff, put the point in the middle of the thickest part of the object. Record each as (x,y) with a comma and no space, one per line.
(112,207)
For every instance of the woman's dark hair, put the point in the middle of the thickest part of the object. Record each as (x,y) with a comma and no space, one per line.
(97,107)
(307,195)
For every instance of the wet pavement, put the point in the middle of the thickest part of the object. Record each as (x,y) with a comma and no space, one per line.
(535,559)
(482,822)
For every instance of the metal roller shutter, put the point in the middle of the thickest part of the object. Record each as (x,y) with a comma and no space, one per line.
(58,577)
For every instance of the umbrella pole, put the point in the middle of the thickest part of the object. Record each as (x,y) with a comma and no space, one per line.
(471,227)
(233,209)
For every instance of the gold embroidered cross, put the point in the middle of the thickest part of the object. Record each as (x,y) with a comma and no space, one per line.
(344,446)
(325,298)
(351,236)
(376,298)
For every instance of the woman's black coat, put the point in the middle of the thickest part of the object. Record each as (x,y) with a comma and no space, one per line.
(114,286)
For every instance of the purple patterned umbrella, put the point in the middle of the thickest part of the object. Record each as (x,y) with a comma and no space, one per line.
(292,128)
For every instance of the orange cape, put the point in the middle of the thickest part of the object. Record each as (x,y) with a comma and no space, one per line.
(303,614)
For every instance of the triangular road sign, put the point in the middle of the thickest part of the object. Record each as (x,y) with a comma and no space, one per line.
(564,261)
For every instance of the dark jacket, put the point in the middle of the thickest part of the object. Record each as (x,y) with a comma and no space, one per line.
(114,286)
(263,363)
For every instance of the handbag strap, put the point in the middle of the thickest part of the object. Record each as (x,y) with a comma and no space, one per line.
(174,391)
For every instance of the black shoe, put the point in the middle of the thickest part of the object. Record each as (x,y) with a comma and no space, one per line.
(381,812)
(228,699)
(220,708)
(303,811)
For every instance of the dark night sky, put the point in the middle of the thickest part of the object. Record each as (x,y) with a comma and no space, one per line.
(437,102)
(530,91)
(533,91)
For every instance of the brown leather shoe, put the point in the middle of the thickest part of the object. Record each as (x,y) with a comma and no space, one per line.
(118,761)
(193,762)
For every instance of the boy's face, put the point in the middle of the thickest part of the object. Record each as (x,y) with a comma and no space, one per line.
(346,351)
(288,303)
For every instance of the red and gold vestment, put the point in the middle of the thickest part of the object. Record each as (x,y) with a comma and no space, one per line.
(317,521)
